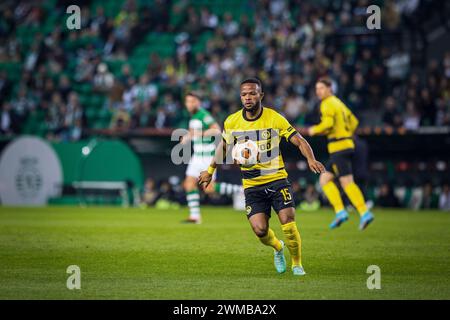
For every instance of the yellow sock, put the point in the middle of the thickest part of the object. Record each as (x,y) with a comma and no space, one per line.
(356,197)
(293,242)
(333,195)
(271,240)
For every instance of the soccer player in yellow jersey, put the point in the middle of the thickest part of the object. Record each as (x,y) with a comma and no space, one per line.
(265,183)
(338,123)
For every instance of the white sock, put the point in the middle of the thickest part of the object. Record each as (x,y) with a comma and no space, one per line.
(193,200)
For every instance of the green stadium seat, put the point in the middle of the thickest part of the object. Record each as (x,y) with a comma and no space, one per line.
(104,114)
(84,100)
(96,101)
(115,66)
(85,88)
(91,113)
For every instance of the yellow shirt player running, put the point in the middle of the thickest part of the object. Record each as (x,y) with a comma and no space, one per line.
(265,183)
(338,123)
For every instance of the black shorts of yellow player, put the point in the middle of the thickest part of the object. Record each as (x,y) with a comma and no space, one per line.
(261,199)
(340,163)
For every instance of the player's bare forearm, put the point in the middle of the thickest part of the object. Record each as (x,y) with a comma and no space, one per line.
(187,137)
(219,156)
(307,152)
(303,146)
(213,130)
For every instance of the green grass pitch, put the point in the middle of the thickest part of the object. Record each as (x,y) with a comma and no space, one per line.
(149,254)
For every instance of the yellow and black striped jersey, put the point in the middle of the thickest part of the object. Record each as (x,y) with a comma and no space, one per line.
(338,123)
(266,130)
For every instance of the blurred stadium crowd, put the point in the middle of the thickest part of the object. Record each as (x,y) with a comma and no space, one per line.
(131,61)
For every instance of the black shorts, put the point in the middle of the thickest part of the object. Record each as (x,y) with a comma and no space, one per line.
(276,195)
(340,163)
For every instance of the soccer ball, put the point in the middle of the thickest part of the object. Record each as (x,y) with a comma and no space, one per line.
(246,153)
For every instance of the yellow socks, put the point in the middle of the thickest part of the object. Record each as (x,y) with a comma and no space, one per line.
(293,242)
(353,193)
(356,197)
(332,192)
(271,240)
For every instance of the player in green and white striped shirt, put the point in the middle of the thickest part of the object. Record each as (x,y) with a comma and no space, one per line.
(202,128)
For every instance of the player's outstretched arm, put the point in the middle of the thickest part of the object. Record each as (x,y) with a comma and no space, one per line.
(187,137)
(213,130)
(325,124)
(308,153)
(219,156)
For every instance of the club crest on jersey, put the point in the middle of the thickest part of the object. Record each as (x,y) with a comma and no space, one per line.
(265,134)
(248,209)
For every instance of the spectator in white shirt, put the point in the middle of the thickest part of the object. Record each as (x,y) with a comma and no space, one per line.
(103,80)
(144,90)
(411,121)
(444,198)
(6,119)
